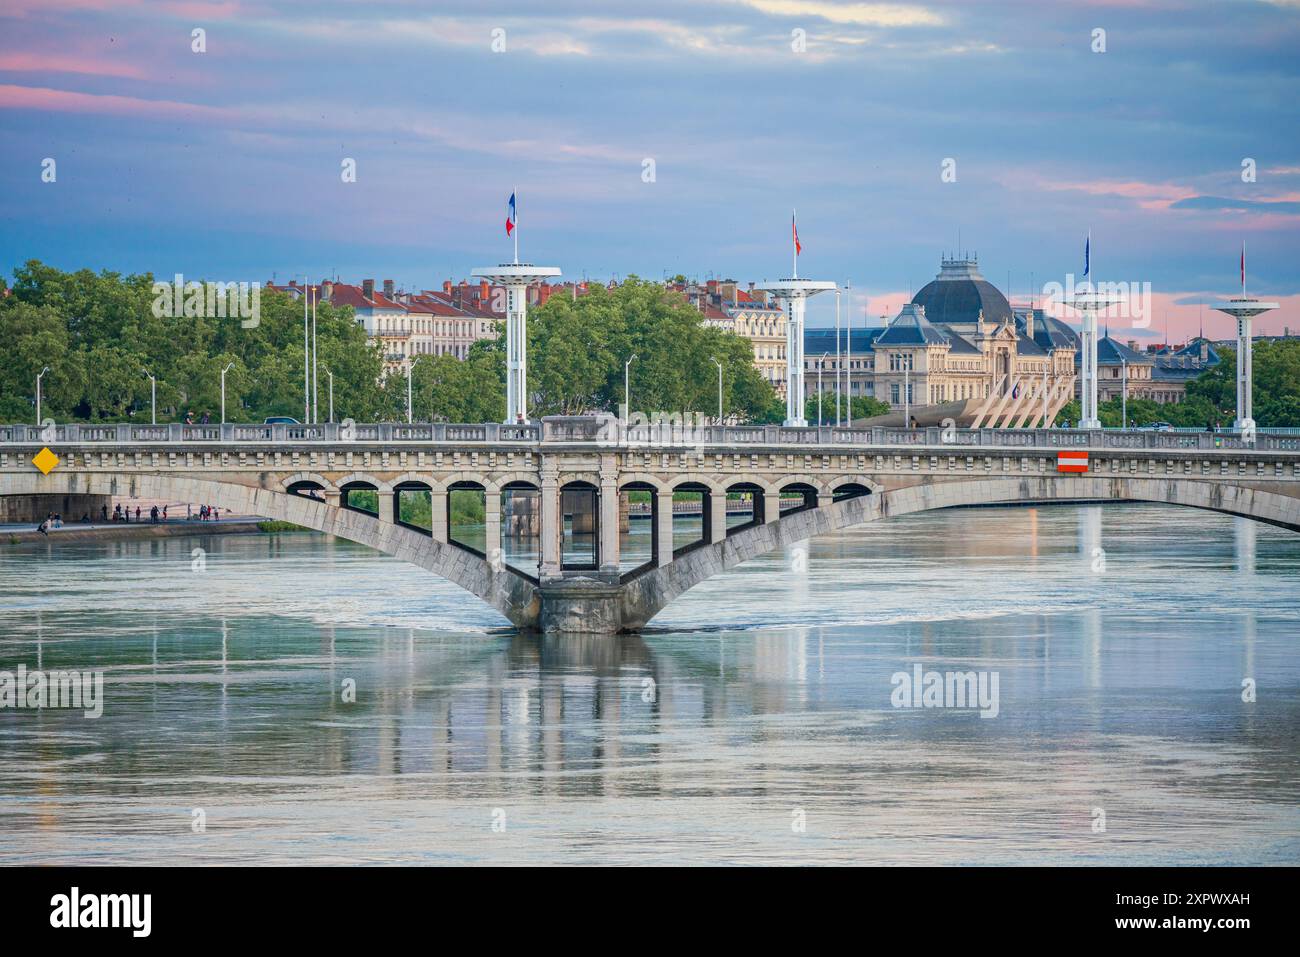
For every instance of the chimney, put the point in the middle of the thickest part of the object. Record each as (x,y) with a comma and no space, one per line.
(484,290)
(388,288)
(368,288)
(326,290)
(456,295)
(1133,344)
(1205,351)
(446,286)
(1029,323)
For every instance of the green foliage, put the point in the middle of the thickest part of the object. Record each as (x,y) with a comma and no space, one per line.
(863,407)
(577,351)
(99,336)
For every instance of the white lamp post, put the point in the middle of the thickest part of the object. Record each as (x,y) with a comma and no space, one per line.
(821,363)
(1123,393)
(838,367)
(39,376)
(1244,309)
(627,389)
(228,367)
(719,365)
(410,365)
(331,378)
(153,396)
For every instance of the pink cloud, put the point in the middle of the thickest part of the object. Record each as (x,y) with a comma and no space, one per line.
(66,101)
(30,62)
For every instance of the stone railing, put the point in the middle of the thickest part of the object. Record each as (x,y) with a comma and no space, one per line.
(606,430)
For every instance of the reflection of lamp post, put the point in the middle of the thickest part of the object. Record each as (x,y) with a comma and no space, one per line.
(228,367)
(719,365)
(627,388)
(153,395)
(39,376)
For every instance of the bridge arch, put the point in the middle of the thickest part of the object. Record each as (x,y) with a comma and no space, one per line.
(645,596)
(363,478)
(502,587)
(304,478)
(642,479)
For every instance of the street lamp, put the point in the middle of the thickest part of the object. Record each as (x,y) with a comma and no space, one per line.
(719,365)
(821,363)
(1124,393)
(907,390)
(229,366)
(331,378)
(837,358)
(153,396)
(40,375)
(627,389)
(410,365)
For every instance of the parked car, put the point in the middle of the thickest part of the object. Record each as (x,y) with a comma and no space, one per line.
(280,420)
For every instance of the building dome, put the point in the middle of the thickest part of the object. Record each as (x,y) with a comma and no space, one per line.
(957,295)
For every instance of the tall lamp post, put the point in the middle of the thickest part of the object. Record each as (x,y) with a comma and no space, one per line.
(627,388)
(837,358)
(410,365)
(315,403)
(1123,393)
(1244,309)
(153,396)
(39,376)
(331,378)
(306,356)
(820,365)
(719,365)
(228,367)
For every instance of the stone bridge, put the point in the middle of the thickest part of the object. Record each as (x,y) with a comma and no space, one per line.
(571,472)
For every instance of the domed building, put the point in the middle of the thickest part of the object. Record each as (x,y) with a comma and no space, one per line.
(959,295)
(960,340)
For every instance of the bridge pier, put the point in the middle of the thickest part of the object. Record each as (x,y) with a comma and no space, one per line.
(438,523)
(663,518)
(581,605)
(387,505)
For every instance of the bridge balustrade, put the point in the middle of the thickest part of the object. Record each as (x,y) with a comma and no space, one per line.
(603,429)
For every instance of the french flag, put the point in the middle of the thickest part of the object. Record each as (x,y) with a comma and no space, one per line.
(510,216)
(794,230)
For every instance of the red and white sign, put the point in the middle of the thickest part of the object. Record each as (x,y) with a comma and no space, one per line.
(1071,461)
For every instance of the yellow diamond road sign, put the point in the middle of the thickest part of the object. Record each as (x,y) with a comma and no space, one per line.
(45,460)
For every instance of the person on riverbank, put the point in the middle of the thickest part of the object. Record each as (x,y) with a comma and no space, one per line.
(153,515)
(137,513)
(43,528)
(103,509)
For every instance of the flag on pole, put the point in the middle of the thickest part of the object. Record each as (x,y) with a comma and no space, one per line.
(510,216)
(1087,255)
(794,229)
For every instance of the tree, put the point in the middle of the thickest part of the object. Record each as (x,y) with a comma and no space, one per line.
(578,350)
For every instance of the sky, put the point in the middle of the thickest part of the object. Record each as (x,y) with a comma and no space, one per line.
(665,137)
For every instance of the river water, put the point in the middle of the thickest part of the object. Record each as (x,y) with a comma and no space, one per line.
(753,723)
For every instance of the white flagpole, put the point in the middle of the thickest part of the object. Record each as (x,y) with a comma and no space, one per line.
(515,212)
(794,241)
